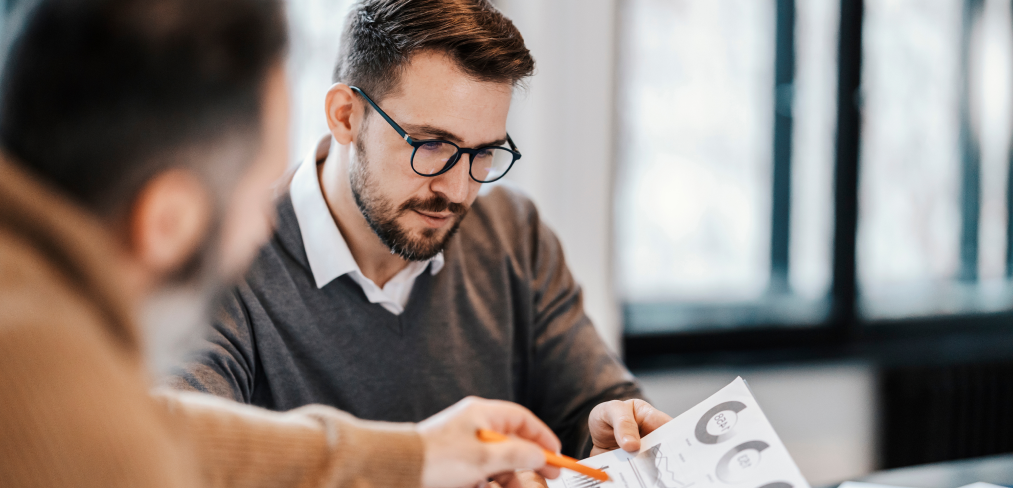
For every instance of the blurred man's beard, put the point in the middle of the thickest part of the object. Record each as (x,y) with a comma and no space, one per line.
(382,214)
(177,317)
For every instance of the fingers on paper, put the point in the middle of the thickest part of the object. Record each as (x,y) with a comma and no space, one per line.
(648,417)
(629,420)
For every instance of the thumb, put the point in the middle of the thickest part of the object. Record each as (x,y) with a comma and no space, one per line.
(513,454)
(624,425)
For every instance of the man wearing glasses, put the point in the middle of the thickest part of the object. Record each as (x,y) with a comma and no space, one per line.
(395,284)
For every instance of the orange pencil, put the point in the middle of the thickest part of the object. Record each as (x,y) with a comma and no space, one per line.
(552,458)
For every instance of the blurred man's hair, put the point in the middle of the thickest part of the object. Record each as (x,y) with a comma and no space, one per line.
(380,36)
(98,96)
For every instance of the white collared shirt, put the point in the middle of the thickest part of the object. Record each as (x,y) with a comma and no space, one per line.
(326,249)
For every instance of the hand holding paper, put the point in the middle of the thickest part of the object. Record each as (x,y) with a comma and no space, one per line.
(621,424)
(725,441)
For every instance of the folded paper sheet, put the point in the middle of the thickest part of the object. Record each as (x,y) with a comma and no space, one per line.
(726,441)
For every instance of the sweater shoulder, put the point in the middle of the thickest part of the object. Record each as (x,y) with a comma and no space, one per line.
(502,226)
(506,210)
(283,254)
(505,198)
(73,384)
(36,297)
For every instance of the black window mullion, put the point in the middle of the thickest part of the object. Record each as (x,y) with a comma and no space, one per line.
(1009,216)
(784,78)
(970,155)
(849,66)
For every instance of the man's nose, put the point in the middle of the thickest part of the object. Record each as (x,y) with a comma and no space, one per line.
(454,184)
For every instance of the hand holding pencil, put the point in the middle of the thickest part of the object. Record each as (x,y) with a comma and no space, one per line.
(454,455)
(551,458)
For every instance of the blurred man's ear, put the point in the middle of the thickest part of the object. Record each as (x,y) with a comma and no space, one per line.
(169,220)
(342,118)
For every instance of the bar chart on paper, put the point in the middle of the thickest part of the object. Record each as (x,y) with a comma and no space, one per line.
(724,441)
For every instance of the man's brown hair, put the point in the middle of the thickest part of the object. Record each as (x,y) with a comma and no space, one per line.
(380,36)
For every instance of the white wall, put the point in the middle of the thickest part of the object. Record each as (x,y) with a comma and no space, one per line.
(824,414)
(315,34)
(563,125)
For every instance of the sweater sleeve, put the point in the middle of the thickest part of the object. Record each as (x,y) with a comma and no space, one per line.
(241,446)
(574,371)
(225,365)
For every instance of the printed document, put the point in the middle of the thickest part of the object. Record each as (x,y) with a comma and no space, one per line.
(726,442)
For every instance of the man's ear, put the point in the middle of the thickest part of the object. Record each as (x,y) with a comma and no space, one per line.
(342,118)
(169,220)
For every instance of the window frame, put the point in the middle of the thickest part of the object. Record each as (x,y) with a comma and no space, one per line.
(844,334)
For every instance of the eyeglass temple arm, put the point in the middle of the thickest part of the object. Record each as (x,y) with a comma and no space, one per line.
(400,131)
(513,146)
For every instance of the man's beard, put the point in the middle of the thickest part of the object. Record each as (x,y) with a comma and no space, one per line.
(176,318)
(381,214)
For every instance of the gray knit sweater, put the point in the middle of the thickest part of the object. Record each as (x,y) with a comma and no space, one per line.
(503,319)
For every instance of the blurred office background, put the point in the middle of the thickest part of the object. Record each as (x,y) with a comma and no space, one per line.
(812,194)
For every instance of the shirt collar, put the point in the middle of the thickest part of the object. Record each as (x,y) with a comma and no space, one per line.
(326,249)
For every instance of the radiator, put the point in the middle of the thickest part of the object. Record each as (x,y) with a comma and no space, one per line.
(943,413)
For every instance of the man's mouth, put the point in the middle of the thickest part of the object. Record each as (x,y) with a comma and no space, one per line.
(435,219)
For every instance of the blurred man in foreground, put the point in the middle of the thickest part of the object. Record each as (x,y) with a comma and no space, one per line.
(141,138)
(394,285)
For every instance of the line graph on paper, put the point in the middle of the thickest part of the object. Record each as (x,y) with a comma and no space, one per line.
(652,468)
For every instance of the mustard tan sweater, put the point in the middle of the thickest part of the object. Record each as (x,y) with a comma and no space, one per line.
(75,401)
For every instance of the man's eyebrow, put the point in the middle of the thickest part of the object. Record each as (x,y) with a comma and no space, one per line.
(430,132)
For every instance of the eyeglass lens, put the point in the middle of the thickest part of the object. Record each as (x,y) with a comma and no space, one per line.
(489,164)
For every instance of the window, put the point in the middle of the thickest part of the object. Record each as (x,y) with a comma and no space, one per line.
(935,153)
(706,88)
(756,194)
(315,28)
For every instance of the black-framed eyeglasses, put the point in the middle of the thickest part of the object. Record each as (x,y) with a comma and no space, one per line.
(433,157)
